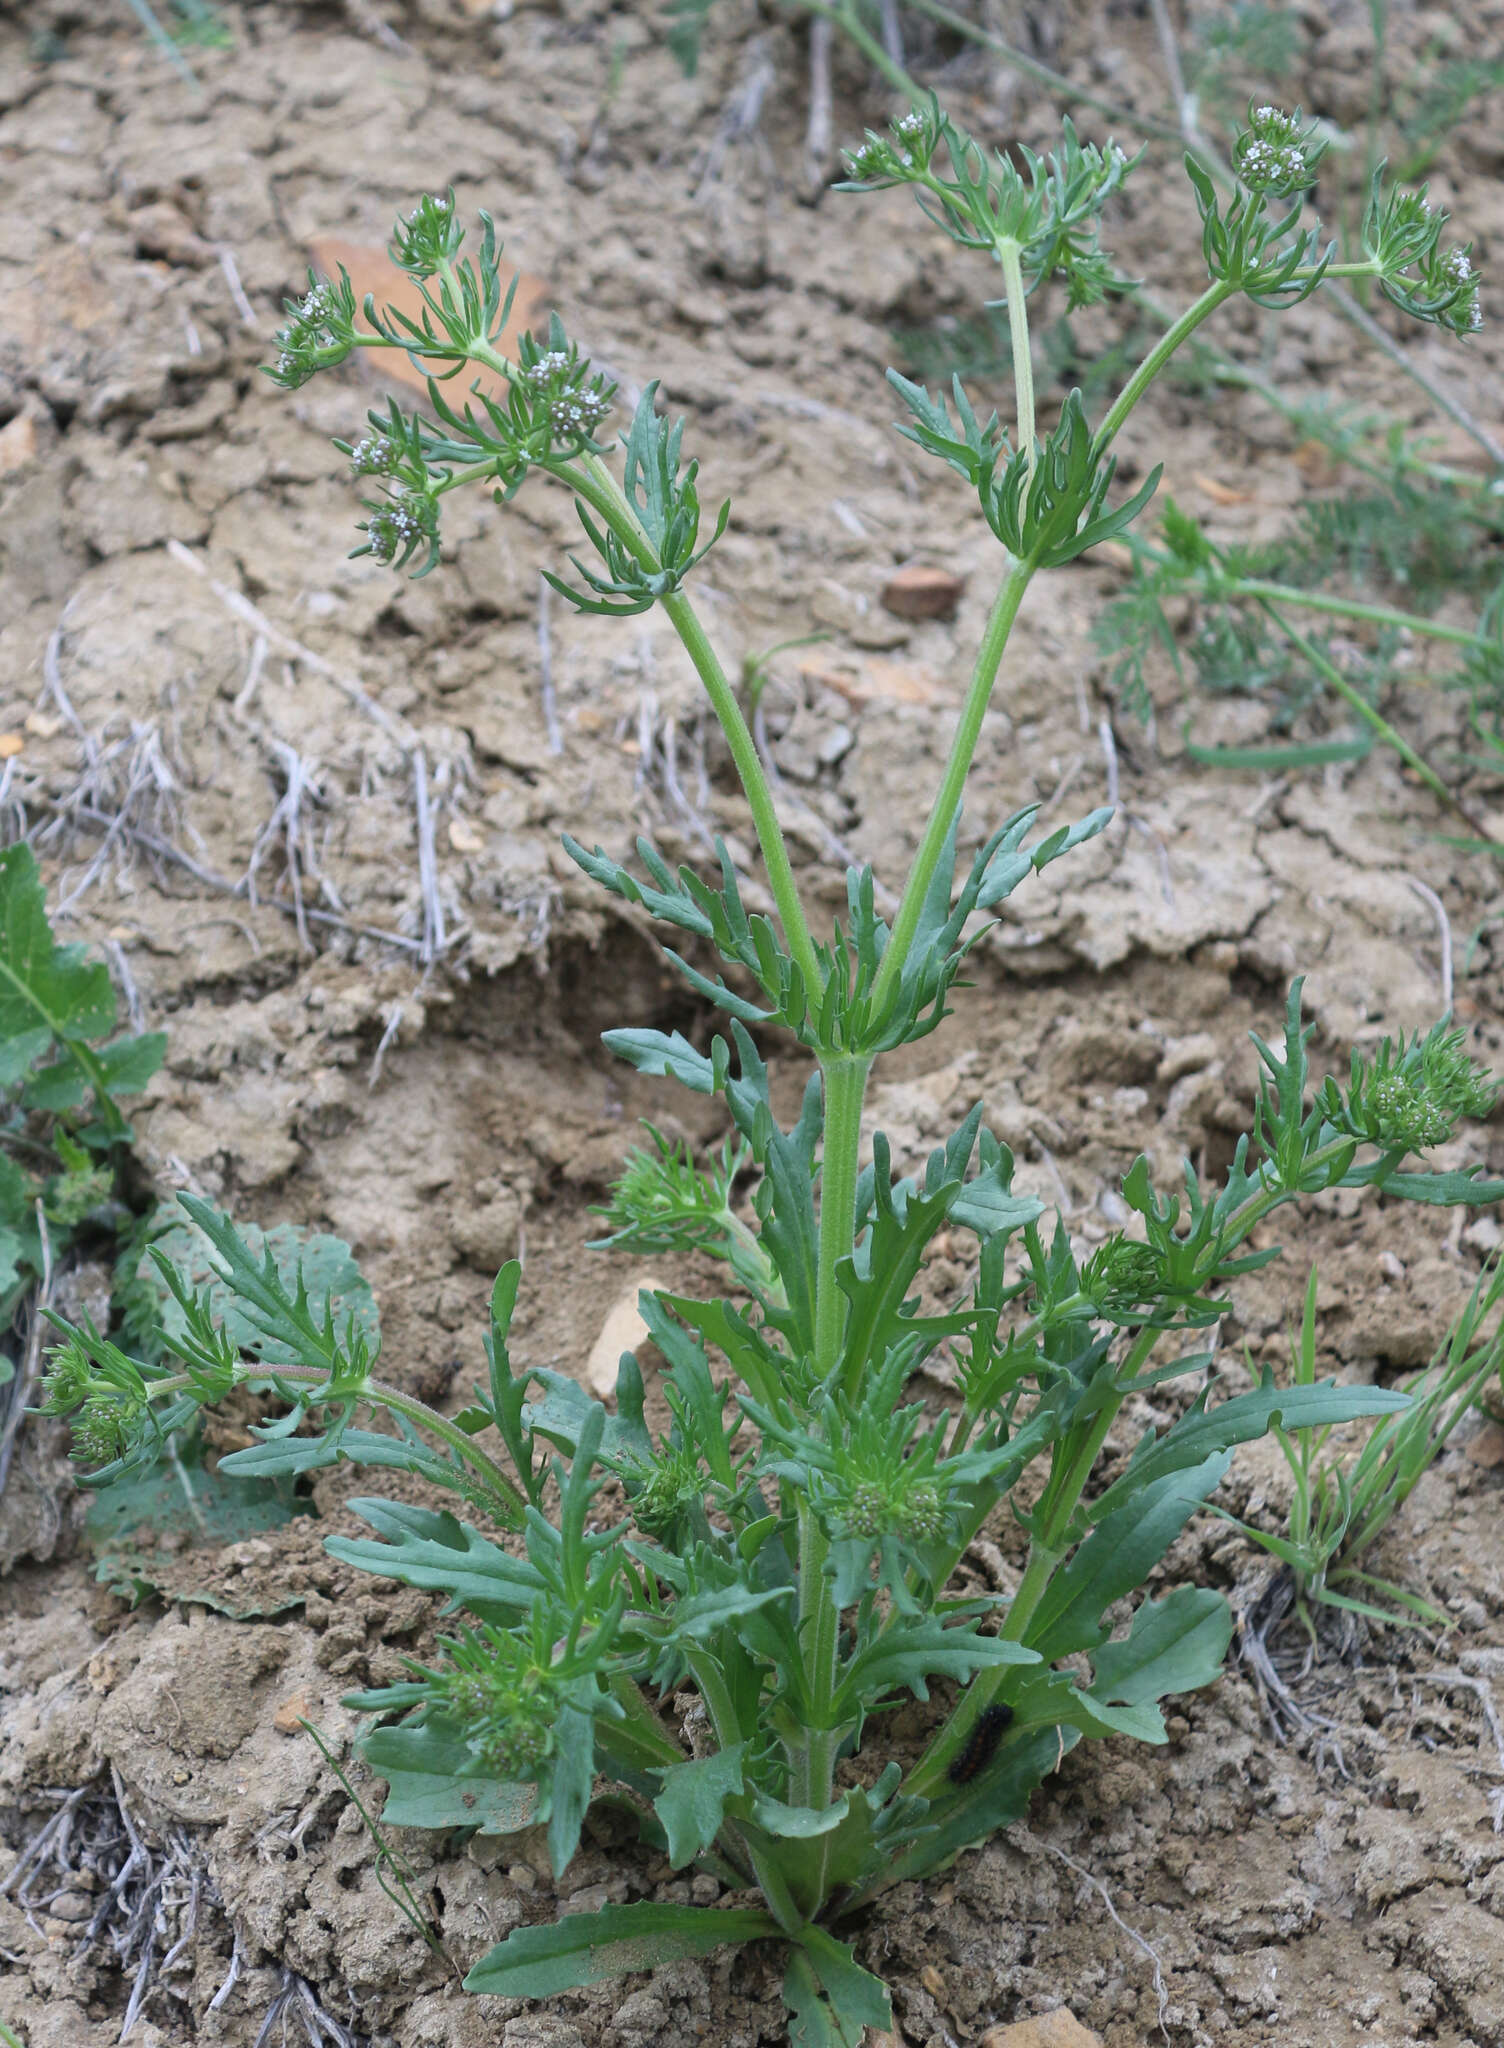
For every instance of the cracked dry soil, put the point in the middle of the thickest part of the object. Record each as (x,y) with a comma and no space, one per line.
(1346,1890)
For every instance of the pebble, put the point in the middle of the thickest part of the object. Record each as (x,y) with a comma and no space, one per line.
(917,592)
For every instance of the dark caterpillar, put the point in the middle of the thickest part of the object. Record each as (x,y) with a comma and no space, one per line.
(981,1744)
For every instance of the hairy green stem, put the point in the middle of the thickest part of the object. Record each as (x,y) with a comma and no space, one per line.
(1337,607)
(948,801)
(379,1395)
(1262,1204)
(1010,257)
(1181,330)
(812,1761)
(595,483)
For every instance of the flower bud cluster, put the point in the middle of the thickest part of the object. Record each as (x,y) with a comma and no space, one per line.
(565,397)
(1402,237)
(1123,1275)
(427,238)
(1411,1097)
(499,1696)
(1045,215)
(893,1503)
(665,1491)
(376,455)
(1451,277)
(895,158)
(108,1400)
(1275,155)
(400,525)
(318,332)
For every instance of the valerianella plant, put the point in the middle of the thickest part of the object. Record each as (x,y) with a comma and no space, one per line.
(786,1551)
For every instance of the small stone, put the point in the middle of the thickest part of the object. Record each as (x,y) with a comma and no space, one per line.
(623,1330)
(161,230)
(641,2019)
(18,442)
(11,744)
(835,746)
(71,1906)
(590,1898)
(1184,1056)
(917,592)
(293,1712)
(1057,2029)
(486,1236)
(540,2030)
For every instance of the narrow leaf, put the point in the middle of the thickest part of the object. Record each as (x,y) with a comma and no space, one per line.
(587,1948)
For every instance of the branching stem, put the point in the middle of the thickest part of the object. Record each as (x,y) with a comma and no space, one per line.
(599,488)
(1336,680)
(948,801)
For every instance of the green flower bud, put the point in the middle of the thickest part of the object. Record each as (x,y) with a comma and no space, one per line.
(427,238)
(396,529)
(499,1696)
(664,1492)
(1274,155)
(894,1505)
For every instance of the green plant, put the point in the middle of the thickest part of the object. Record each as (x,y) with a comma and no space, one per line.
(190,23)
(1342,1503)
(786,1549)
(1419,532)
(63,1137)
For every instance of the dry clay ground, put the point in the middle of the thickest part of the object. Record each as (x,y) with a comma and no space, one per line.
(184,645)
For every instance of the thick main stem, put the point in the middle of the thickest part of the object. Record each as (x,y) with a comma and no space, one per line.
(814,1759)
(1047,1550)
(845,1088)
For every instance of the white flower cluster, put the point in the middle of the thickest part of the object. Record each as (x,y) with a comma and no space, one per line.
(391,528)
(1273,156)
(578,412)
(434,203)
(1268,163)
(874,159)
(1466,316)
(909,126)
(546,368)
(373,456)
(315,305)
(307,327)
